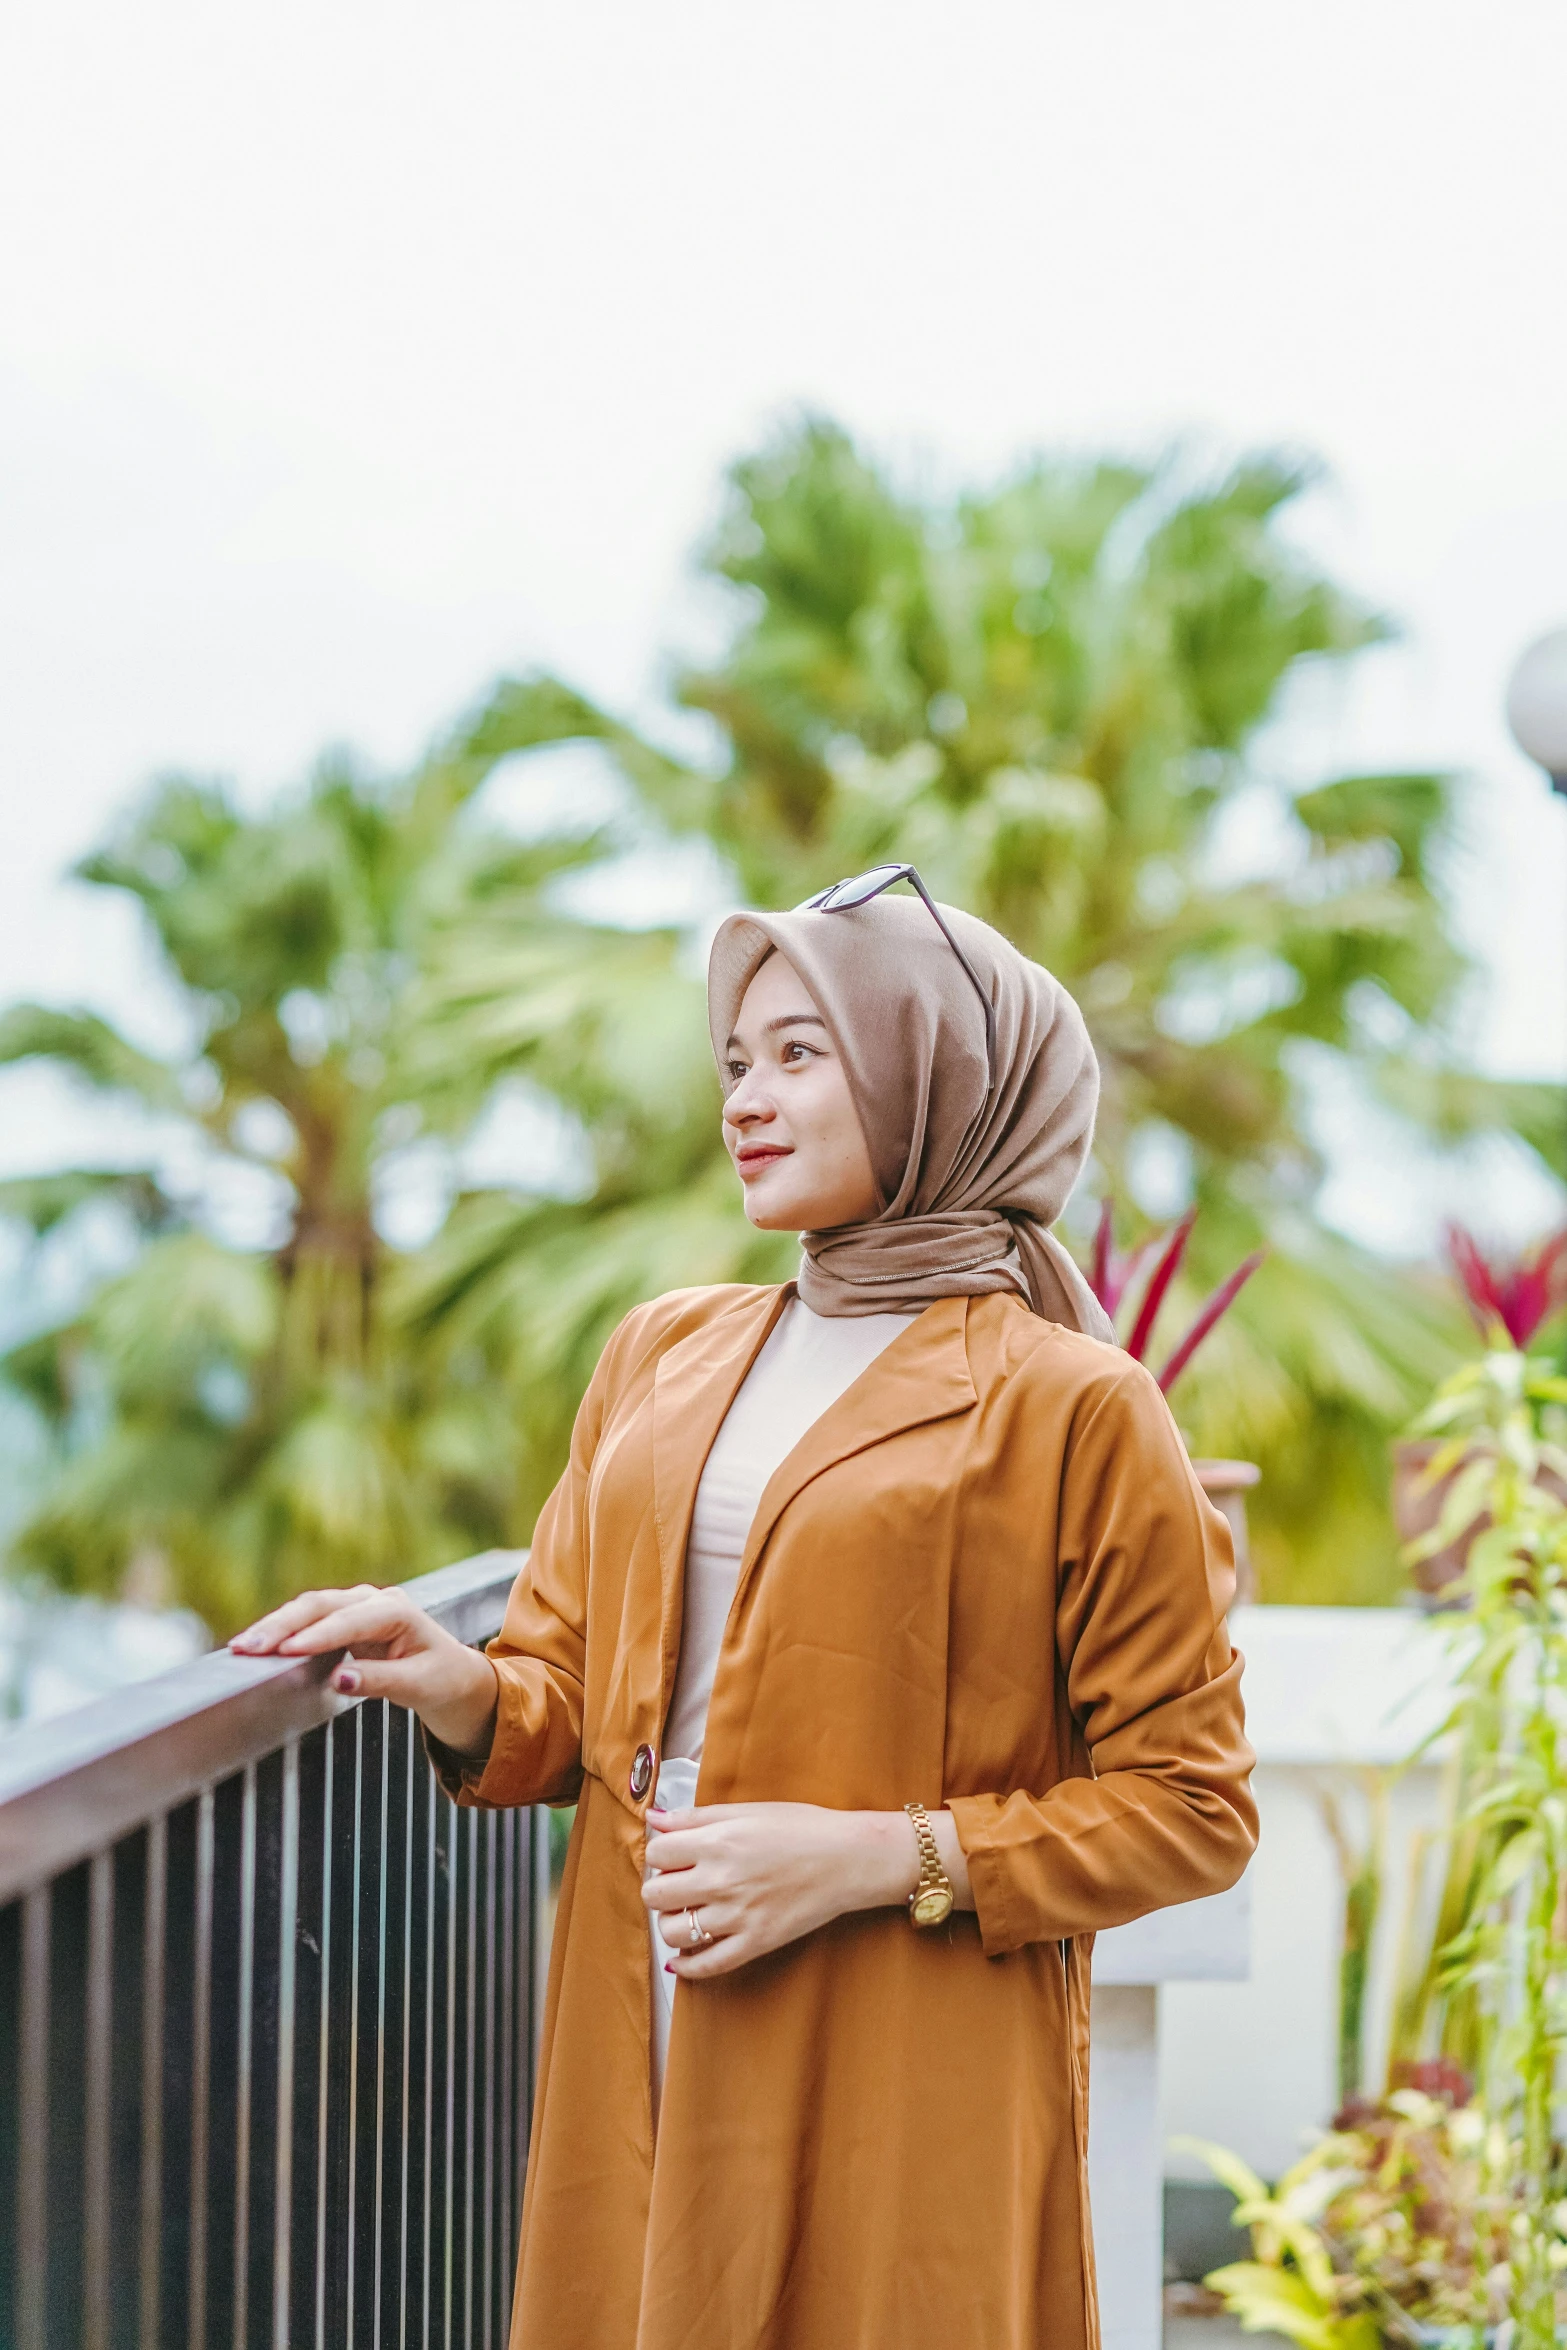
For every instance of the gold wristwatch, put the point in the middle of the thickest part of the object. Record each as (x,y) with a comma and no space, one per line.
(932,1898)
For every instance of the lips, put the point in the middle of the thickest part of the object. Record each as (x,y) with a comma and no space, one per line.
(756,1162)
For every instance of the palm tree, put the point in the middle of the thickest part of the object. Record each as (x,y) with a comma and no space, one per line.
(1049,696)
(229,1423)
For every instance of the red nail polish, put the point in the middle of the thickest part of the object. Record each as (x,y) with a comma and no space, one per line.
(668,1969)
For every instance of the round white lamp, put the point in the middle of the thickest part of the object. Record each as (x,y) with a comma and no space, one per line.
(1537,706)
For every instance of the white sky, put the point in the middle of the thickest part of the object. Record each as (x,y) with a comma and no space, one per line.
(351,353)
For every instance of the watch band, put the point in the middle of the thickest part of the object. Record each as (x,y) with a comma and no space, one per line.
(932,1898)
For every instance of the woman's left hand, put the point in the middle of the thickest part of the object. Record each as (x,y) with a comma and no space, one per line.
(759,1875)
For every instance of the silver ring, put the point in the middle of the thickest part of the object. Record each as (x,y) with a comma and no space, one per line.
(700,1937)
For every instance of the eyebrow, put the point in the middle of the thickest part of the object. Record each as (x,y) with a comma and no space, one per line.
(784,1020)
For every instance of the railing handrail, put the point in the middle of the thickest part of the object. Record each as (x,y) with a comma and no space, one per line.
(73,1784)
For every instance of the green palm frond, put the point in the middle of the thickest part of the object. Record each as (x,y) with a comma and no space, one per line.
(1045,693)
(186,1306)
(1452,1104)
(90,1049)
(44,1202)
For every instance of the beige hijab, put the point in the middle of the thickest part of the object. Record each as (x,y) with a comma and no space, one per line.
(970,1180)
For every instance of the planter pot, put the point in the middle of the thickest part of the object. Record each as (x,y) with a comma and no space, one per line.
(1417,1508)
(1227,1483)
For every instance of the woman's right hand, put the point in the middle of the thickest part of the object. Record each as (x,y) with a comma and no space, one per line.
(396,1651)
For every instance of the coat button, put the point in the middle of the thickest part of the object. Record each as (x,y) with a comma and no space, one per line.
(641,1771)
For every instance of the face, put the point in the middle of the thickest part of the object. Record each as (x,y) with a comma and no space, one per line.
(789,1124)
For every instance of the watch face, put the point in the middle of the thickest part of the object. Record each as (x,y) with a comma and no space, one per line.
(929,1907)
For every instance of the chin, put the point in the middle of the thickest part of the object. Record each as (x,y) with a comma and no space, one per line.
(771,1215)
(770,1219)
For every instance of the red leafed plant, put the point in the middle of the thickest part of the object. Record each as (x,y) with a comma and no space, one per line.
(1518,1296)
(1112,1275)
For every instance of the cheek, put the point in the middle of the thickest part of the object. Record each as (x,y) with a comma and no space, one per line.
(851,1150)
(834,1125)
(817,1134)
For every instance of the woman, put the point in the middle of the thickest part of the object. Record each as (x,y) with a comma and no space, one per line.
(904,1571)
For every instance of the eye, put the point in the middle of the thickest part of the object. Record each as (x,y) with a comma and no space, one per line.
(736,1070)
(794,1045)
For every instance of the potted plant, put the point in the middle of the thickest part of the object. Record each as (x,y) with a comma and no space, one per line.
(1510,1304)
(1397,2230)
(1438,2215)
(1111,1276)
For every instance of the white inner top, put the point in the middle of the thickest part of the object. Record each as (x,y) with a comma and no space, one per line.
(806,1364)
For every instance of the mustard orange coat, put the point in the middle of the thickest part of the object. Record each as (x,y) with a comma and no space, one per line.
(985,1578)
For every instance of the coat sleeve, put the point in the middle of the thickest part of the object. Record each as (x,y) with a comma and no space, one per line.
(539,1654)
(1145,1578)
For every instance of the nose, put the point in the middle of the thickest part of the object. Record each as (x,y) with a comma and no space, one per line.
(748,1102)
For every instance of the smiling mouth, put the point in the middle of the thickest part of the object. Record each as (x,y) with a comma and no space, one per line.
(756,1162)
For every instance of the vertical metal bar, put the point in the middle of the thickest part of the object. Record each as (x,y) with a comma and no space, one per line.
(470,2053)
(350,2245)
(380,2026)
(201,2066)
(433,1819)
(99,2055)
(322,2071)
(510,1821)
(409,1743)
(542,1889)
(451,2069)
(32,2248)
(288,1920)
(530,1932)
(491,1841)
(519,2006)
(154,1949)
(247,1994)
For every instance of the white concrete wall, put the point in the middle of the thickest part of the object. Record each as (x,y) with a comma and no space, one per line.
(1253,2064)
(1199,1941)
(1125,2185)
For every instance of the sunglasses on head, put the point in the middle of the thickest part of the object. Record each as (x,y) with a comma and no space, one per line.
(844,895)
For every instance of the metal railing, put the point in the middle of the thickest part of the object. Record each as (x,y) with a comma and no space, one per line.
(267,2018)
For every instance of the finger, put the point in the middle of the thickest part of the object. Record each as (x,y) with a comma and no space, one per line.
(699,1815)
(727,1952)
(366,1624)
(308,1608)
(714,1917)
(394,1679)
(682,1848)
(675,1888)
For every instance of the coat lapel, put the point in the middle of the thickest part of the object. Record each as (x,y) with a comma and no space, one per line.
(923,1375)
(693,1386)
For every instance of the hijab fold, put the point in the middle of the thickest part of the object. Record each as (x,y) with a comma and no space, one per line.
(970,1177)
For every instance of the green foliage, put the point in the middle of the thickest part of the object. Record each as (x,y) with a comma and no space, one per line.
(229,1426)
(1291,2286)
(1047,695)
(1362,1867)
(1451,2213)
(90,1049)
(1396,2230)
(1497,1979)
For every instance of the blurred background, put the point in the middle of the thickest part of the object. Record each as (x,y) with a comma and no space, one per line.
(489,490)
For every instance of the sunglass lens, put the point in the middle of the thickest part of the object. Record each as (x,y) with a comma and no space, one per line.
(861,889)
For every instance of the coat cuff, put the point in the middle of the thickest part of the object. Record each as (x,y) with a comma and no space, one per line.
(975,1817)
(487,1780)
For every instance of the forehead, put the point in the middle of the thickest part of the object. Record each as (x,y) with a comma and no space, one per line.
(776,989)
